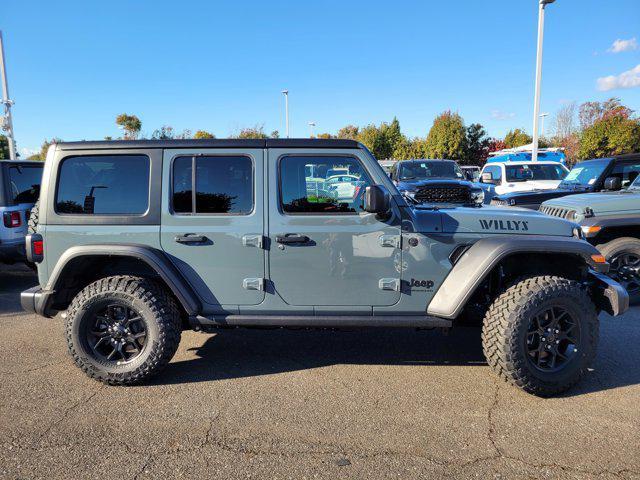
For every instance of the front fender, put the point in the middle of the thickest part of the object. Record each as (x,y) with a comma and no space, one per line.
(480,259)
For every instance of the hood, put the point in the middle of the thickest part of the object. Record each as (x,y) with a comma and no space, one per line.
(488,220)
(600,203)
(412,185)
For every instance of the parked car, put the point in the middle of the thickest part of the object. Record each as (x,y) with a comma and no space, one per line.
(523,176)
(610,220)
(436,181)
(19,190)
(586,176)
(134,252)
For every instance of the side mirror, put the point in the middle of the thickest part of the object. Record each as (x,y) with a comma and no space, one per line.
(487,178)
(376,200)
(613,183)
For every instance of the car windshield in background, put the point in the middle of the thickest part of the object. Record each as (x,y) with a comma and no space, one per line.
(585,173)
(433,169)
(522,173)
(636,184)
(25,183)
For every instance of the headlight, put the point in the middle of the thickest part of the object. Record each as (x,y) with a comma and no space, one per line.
(477,196)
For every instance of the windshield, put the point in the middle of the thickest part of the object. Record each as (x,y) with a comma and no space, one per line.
(522,173)
(636,184)
(429,169)
(585,173)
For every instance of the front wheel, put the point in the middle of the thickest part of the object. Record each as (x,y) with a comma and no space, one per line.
(122,330)
(623,254)
(541,334)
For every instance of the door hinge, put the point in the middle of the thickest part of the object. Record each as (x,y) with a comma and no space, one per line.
(253,284)
(253,241)
(392,241)
(392,284)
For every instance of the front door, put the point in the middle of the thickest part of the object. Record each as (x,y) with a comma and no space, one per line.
(324,249)
(212,222)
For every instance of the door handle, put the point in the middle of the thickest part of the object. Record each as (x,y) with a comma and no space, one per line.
(292,238)
(190,238)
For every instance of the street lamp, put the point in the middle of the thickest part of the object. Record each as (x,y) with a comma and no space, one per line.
(6,123)
(286,111)
(311,125)
(536,99)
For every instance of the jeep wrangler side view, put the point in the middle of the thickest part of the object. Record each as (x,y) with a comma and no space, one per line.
(611,221)
(138,240)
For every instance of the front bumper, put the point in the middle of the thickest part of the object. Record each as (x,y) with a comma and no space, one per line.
(612,298)
(36,300)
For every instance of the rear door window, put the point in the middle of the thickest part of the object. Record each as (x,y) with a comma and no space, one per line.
(626,172)
(24,183)
(103,185)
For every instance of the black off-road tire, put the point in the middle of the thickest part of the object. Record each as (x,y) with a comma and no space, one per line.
(613,249)
(160,315)
(505,330)
(33,218)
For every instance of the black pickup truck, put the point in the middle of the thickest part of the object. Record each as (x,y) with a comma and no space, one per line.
(585,177)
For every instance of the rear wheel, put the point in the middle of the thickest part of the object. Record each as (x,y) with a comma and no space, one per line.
(541,334)
(122,330)
(623,254)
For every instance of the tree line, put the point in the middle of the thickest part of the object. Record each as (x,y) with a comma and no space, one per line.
(589,130)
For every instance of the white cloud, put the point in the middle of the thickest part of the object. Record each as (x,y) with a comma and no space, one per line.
(500,115)
(628,79)
(27,152)
(624,45)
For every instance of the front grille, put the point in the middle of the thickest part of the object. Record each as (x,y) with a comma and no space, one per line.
(443,194)
(497,201)
(557,211)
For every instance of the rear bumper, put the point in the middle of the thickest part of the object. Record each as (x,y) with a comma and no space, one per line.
(36,300)
(612,298)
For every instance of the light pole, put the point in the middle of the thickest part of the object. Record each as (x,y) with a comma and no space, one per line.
(311,125)
(7,122)
(536,100)
(542,115)
(286,111)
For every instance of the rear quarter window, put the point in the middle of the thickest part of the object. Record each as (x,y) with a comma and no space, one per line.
(103,185)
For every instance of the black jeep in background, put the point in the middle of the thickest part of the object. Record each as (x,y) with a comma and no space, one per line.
(585,177)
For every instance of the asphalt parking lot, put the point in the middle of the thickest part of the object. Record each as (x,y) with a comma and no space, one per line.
(318,404)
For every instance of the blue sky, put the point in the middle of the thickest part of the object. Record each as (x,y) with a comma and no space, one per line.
(220,66)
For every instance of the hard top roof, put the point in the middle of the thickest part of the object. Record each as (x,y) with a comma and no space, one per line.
(212,143)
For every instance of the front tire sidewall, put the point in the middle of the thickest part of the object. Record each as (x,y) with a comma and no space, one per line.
(84,319)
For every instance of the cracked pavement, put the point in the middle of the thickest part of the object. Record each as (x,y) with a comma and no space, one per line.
(310,404)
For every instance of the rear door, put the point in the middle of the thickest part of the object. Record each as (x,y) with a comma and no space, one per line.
(325,250)
(212,223)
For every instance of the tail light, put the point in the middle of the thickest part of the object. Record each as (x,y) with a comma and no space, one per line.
(34,247)
(12,219)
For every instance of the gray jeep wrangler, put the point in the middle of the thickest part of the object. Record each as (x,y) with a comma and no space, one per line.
(138,240)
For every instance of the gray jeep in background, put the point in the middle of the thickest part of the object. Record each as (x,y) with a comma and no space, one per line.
(138,240)
(610,220)
(19,190)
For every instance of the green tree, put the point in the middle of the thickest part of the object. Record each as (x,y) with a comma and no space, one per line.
(256,131)
(612,135)
(165,132)
(4,147)
(203,134)
(477,145)
(409,149)
(350,132)
(325,135)
(130,124)
(517,138)
(381,140)
(447,137)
